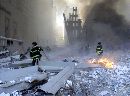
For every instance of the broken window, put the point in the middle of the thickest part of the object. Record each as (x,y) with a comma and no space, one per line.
(9,42)
(7,23)
(14,29)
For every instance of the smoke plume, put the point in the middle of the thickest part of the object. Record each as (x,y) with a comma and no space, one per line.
(66,6)
(103,20)
(104,23)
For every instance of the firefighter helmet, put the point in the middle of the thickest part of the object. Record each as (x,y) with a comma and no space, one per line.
(34,43)
(99,43)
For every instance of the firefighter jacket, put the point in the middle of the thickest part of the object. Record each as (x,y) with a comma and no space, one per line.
(99,50)
(35,52)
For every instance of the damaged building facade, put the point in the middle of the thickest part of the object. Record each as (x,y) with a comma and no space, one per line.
(25,21)
(73,26)
(10,25)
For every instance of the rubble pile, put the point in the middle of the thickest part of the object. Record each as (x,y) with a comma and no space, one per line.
(103,82)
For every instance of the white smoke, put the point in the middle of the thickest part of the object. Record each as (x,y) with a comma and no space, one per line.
(84,6)
(65,6)
(121,7)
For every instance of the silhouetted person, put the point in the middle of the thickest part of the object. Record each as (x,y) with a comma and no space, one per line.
(99,49)
(35,53)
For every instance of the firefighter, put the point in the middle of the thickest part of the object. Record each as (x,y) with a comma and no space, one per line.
(99,49)
(35,53)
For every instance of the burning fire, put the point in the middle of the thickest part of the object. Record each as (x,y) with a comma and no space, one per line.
(103,61)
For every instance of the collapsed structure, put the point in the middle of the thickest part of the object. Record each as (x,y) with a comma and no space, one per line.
(73,26)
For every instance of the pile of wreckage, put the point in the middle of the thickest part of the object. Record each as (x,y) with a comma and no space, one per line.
(20,78)
(29,80)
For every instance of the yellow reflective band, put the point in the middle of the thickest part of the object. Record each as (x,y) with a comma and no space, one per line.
(36,59)
(35,56)
(34,51)
(98,48)
(98,52)
(31,51)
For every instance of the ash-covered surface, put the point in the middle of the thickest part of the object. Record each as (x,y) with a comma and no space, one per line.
(103,82)
(100,81)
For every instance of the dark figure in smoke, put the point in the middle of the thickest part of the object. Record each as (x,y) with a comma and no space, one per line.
(99,49)
(35,53)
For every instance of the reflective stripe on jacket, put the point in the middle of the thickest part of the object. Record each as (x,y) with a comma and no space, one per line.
(35,52)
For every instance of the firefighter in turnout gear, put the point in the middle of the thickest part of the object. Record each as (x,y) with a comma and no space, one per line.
(35,53)
(99,49)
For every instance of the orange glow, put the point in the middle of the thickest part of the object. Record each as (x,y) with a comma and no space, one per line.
(103,62)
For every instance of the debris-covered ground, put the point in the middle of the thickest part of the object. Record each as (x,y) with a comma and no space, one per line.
(103,81)
(100,81)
